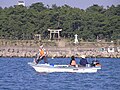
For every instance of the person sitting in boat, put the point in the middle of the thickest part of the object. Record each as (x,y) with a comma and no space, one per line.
(83,61)
(73,62)
(41,55)
(95,63)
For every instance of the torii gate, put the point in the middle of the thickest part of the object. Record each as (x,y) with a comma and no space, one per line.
(54,31)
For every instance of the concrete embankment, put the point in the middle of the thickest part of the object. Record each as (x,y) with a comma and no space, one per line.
(19,51)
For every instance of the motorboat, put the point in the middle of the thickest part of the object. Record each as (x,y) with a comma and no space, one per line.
(49,68)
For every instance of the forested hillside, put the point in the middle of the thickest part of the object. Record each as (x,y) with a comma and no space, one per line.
(19,22)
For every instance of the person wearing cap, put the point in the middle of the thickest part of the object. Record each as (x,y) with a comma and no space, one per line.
(41,55)
(83,61)
(95,63)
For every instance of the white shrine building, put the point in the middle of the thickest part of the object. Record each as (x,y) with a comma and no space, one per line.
(21,3)
(76,39)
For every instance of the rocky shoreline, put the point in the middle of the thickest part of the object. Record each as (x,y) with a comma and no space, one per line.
(27,51)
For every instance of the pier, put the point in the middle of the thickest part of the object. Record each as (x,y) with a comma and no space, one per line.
(55,52)
(30,48)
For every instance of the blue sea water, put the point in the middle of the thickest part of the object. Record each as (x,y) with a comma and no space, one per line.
(16,74)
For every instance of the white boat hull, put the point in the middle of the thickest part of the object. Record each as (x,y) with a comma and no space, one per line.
(62,68)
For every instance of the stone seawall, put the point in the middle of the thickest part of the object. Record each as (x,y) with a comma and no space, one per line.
(19,51)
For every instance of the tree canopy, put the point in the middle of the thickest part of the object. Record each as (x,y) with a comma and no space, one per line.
(19,22)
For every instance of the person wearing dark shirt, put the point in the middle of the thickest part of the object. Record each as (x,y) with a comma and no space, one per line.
(95,63)
(83,61)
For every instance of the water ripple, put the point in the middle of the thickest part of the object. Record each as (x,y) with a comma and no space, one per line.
(16,74)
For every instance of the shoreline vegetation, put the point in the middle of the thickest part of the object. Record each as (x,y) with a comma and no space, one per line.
(29,48)
(23,29)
